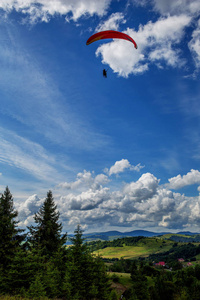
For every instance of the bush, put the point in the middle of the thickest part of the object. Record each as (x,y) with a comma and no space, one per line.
(115,278)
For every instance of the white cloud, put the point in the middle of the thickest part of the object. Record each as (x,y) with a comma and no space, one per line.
(86,180)
(177,7)
(165,221)
(194,45)
(42,10)
(139,204)
(87,200)
(142,189)
(170,6)
(30,206)
(112,23)
(156,42)
(121,166)
(177,182)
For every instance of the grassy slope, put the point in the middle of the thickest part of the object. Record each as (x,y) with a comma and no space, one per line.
(143,248)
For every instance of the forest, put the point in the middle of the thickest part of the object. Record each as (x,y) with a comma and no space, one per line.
(36,263)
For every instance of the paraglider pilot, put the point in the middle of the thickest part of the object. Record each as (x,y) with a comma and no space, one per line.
(104,73)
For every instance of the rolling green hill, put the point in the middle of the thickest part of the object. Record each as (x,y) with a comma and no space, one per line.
(143,247)
(166,246)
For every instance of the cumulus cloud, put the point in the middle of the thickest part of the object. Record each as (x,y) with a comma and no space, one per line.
(142,189)
(87,200)
(143,203)
(42,10)
(28,209)
(177,182)
(157,42)
(121,166)
(85,179)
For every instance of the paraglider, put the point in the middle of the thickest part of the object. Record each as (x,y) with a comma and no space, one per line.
(105,73)
(110,34)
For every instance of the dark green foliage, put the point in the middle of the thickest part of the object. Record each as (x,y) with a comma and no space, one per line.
(166,290)
(185,239)
(139,287)
(122,265)
(130,294)
(87,274)
(114,278)
(176,265)
(46,235)
(37,289)
(185,251)
(10,238)
(148,270)
(127,241)
(113,295)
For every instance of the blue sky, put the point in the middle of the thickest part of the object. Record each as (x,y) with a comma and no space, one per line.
(120,152)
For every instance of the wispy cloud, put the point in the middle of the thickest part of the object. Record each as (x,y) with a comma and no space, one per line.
(194,45)
(166,7)
(112,23)
(29,157)
(176,7)
(31,96)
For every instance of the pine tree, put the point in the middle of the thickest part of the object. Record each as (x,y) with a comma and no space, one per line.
(47,234)
(78,269)
(87,274)
(10,237)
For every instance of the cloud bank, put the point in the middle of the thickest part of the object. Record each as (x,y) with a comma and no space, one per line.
(97,203)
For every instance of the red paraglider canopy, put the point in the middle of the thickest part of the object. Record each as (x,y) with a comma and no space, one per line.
(110,34)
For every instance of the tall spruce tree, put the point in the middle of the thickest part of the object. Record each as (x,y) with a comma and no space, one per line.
(10,237)
(87,274)
(47,236)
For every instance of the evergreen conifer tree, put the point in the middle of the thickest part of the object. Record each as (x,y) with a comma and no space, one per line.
(10,237)
(47,234)
(87,274)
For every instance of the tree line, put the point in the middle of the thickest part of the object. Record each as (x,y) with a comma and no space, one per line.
(36,263)
(187,251)
(119,242)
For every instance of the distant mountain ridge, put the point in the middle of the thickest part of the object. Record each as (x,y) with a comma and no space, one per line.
(111,235)
(188,233)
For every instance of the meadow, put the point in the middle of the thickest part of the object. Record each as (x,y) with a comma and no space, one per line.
(144,248)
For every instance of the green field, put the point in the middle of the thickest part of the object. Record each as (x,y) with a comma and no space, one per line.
(144,248)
